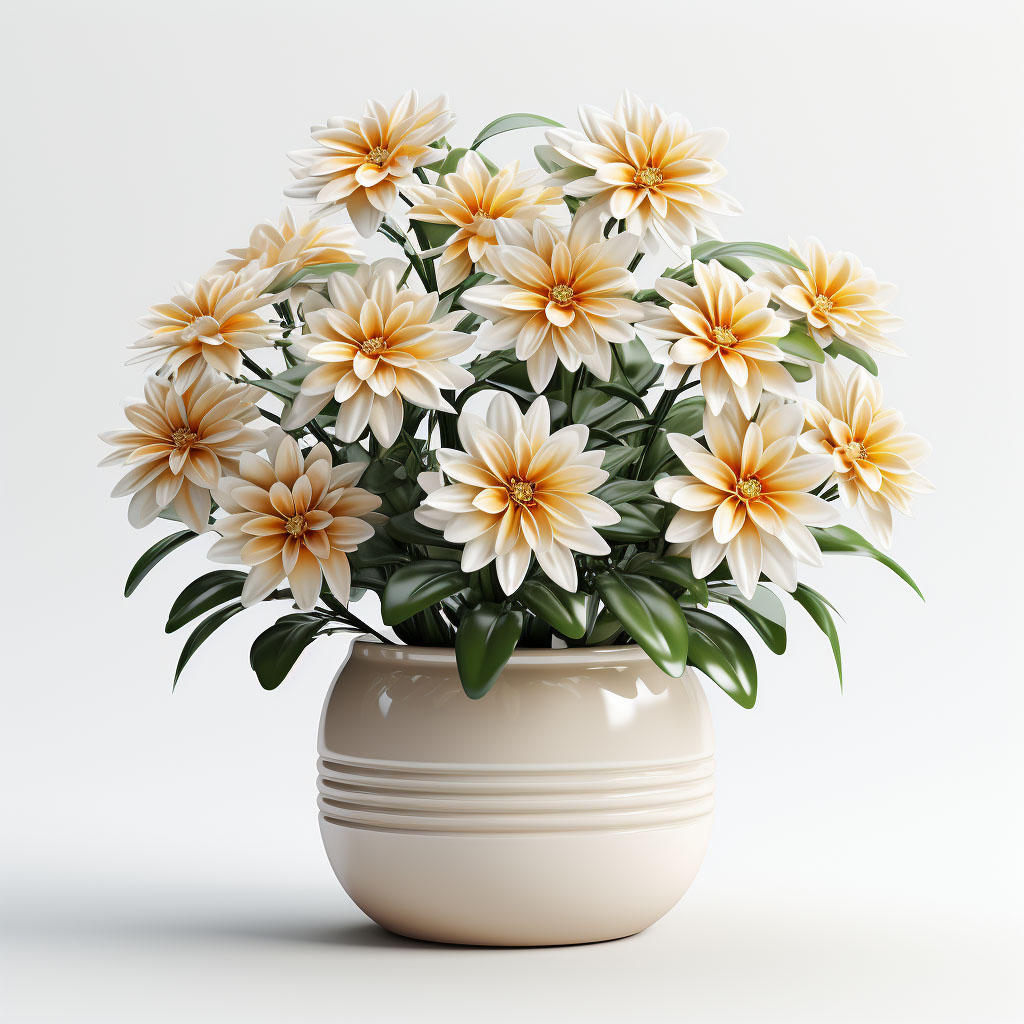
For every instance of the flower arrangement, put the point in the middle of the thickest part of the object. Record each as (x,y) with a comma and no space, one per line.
(497,431)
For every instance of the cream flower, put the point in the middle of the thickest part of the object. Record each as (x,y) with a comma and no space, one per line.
(474,201)
(291,245)
(872,456)
(180,446)
(725,328)
(519,489)
(379,346)
(361,163)
(839,297)
(650,169)
(210,324)
(562,298)
(747,499)
(294,517)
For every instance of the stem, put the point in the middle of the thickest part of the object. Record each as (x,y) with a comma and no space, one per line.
(660,412)
(351,618)
(255,367)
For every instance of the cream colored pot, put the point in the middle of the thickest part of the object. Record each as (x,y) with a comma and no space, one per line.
(571,804)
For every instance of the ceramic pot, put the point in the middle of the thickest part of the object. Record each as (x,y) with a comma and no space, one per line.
(570,804)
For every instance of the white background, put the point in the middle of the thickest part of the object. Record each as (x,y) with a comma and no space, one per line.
(161,858)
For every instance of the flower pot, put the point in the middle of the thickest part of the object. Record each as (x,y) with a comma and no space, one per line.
(570,804)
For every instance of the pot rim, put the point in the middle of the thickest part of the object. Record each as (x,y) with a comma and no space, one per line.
(375,649)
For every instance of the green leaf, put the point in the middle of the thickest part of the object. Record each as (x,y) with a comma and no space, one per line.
(801,374)
(610,387)
(209,591)
(799,343)
(844,541)
(633,527)
(280,388)
(296,374)
(405,529)
(634,359)
(616,492)
(316,270)
(564,611)
(548,158)
(763,611)
(650,615)
(419,585)
(707,251)
(142,568)
(511,123)
(838,347)
(718,649)
(451,162)
(818,609)
(485,640)
(685,417)
(619,458)
(275,650)
(676,569)
(202,632)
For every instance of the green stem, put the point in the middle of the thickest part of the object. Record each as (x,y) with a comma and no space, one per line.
(255,367)
(351,618)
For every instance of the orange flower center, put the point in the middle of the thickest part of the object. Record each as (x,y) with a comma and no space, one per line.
(648,177)
(183,438)
(520,491)
(561,295)
(296,526)
(378,155)
(855,450)
(373,346)
(823,304)
(749,488)
(723,336)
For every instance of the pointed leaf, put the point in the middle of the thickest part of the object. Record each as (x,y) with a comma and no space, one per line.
(818,609)
(202,632)
(844,541)
(275,650)
(315,270)
(763,611)
(419,585)
(838,347)
(564,611)
(800,343)
(511,123)
(485,640)
(209,591)
(142,568)
(676,569)
(718,649)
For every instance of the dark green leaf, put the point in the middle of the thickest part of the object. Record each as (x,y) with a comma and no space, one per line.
(763,611)
(634,526)
(275,650)
(209,591)
(842,540)
(818,609)
(142,568)
(202,632)
(407,530)
(611,387)
(419,585)
(564,611)
(799,343)
(720,652)
(650,615)
(838,347)
(511,123)
(615,492)
(801,374)
(619,458)
(676,569)
(486,638)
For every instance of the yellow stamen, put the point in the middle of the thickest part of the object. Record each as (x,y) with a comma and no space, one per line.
(183,438)
(561,294)
(373,346)
(723,336)
(296,526)
(378,155)
(855,450)
(648,177)
(521,491)
(823,304)
(749,488)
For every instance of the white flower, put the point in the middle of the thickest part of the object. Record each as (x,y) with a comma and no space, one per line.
(649,168)
(378,345)
(519,489)
(872,455)
(360,163)
(747,499)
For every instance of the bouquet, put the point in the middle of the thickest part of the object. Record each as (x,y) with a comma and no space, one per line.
(496,429)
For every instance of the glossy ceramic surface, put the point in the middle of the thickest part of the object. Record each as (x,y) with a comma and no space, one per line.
(571,804)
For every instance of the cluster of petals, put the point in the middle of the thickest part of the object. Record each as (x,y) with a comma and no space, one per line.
(519,490)
(648,168)
(746,500)
(873,456)
(210,324)
(295,518)
(361,163)
(725,328)
(180,446)
(839,297)
(291,245)
(561,298)
(378,345)
(474,201)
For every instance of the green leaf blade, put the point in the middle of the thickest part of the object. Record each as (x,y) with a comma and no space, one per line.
(511,123)
(201,595)
(818,609)
(202,633)
(718,649)
(275,651)
(564,611)
(419,585)
(486,638)
(142,568)
(845,541)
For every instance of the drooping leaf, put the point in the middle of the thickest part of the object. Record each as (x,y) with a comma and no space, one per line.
(718,649)
(764,611)
(419,585)
(838,347)
(142,568)
(203,632)
(844,541)
(213,589)
(557,607)
(650,615)
(707,251)
(275,650)
(611,387)
(818,609)
(616,492)
(315,270)
(675,569)
(800,343)
(486,638)
(511,123)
